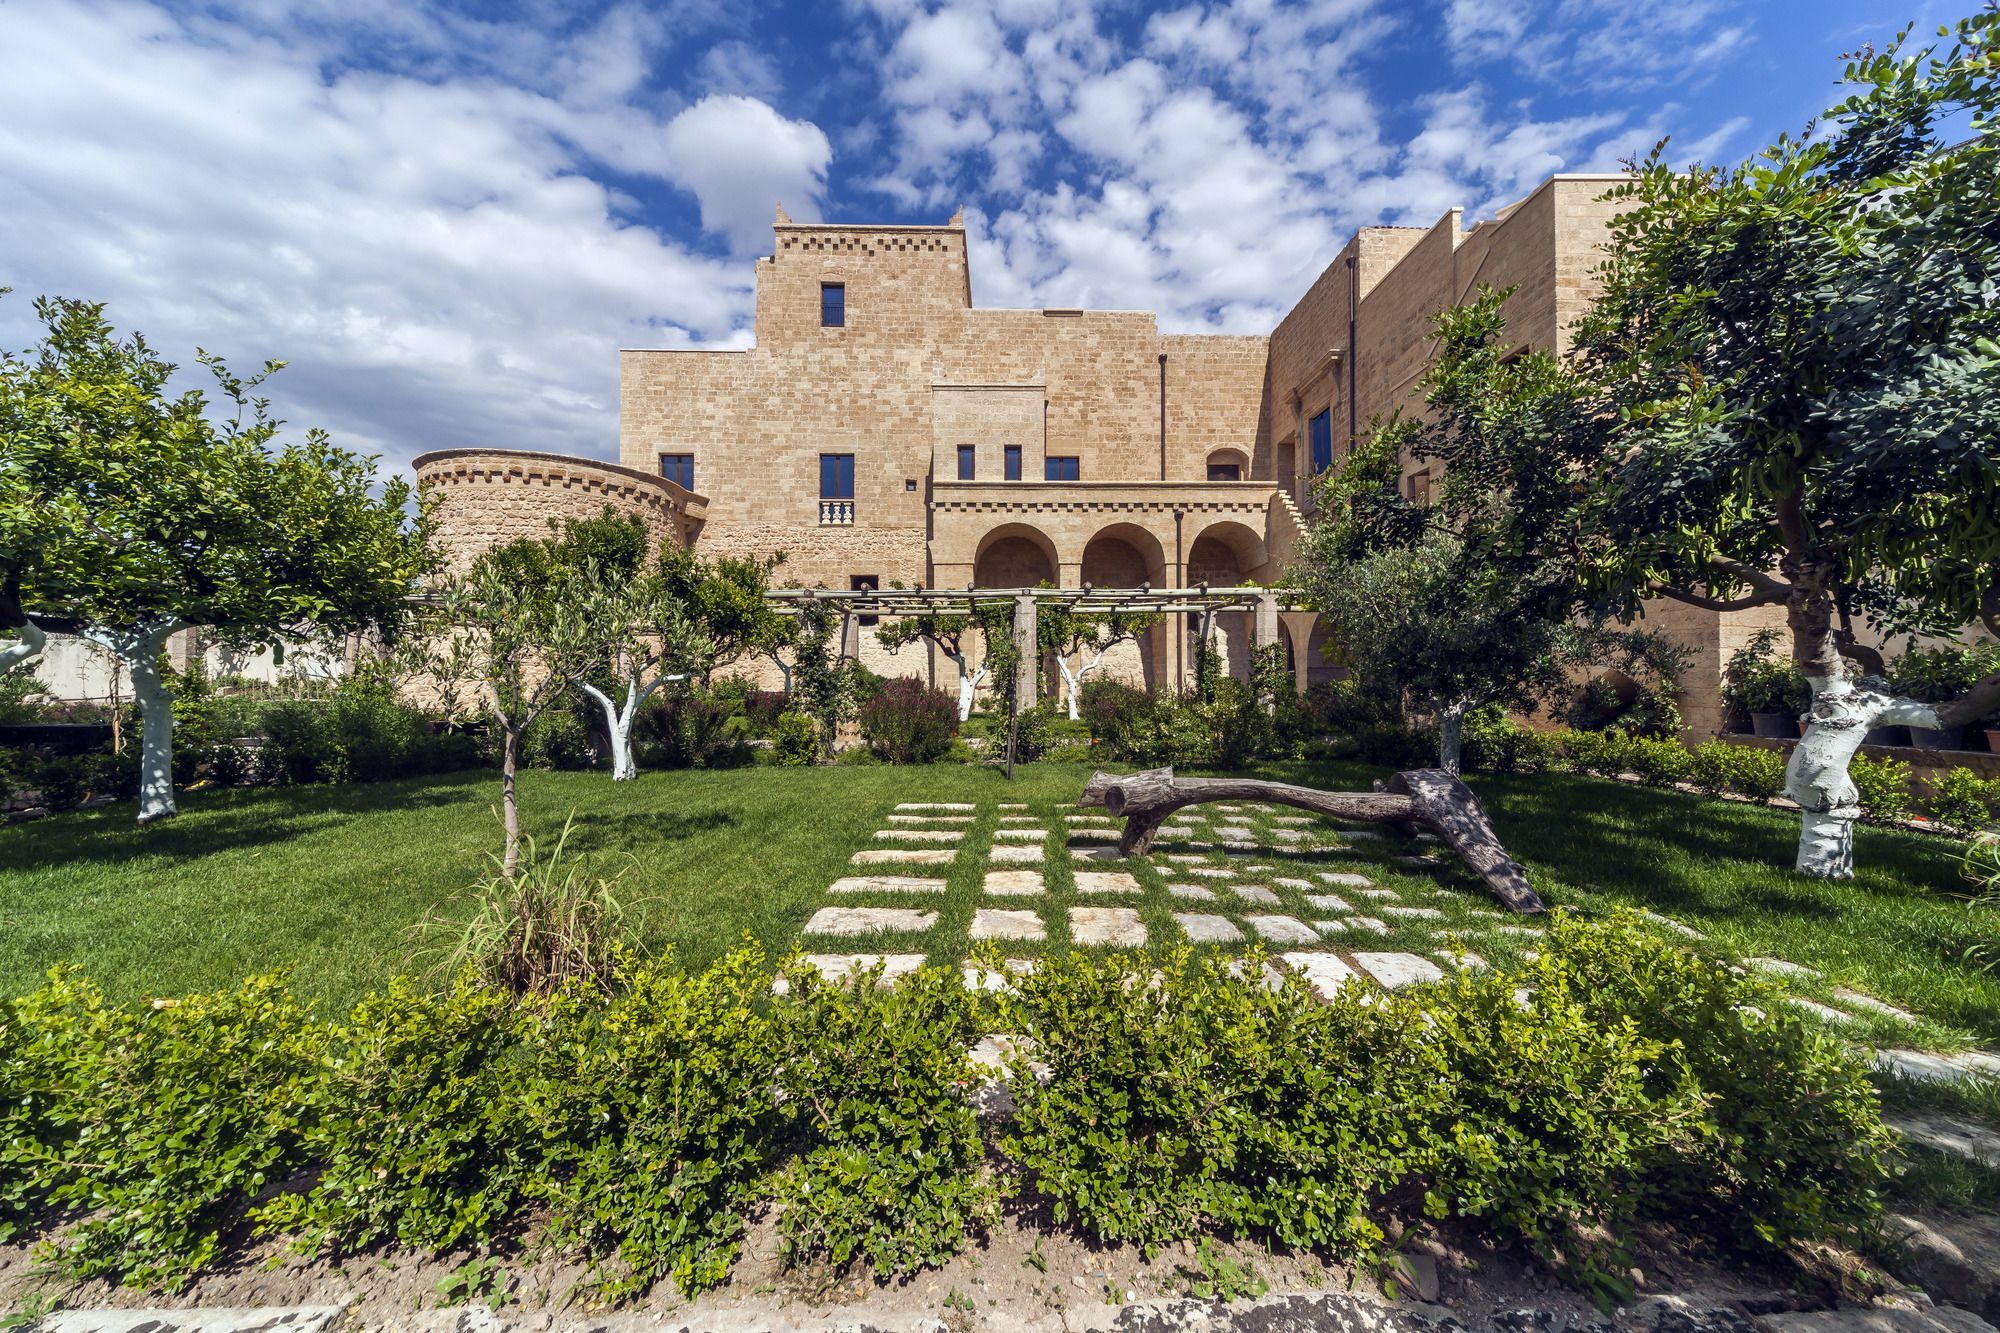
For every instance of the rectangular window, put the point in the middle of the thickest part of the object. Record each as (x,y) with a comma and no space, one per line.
(679,469)
(1059,469)
(1225,472)
(965,462)
(1013,472)
(1321,437)
(836,476)
(833,305)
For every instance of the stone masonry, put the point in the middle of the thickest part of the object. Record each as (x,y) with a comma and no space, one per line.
(915,373)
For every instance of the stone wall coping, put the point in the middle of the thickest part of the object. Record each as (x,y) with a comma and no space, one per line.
(442,460)
(869,226)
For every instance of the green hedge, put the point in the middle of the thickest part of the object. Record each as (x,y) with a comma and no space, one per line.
(1617,1081)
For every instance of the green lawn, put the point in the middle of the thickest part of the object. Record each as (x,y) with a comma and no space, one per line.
(329,880)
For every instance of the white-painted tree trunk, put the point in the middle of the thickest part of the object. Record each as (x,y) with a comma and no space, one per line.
(139,649)
(29,643)
(1451,736)
(1816,778)
(1073,680)
(618,721)
(968,684)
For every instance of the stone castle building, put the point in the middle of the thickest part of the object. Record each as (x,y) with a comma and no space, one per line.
(885,430)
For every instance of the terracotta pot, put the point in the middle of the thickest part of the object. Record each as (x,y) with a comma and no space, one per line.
(1937,738)
(1774,726)
(1993,739)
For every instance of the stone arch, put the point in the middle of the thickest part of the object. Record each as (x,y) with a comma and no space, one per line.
(1125,555)
(1223,458)
(1224,552)
(1014,555)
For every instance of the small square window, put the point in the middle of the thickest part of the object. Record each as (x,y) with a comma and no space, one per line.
(679,469)
(1059,469)
(965,462)
(909,483)
(1013,472)
(833,305)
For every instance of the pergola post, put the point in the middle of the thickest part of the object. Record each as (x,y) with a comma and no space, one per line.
(1025,651)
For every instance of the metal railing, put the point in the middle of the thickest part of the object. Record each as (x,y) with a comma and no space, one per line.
(836,513)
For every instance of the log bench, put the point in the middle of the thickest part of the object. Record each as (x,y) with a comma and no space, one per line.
(1421,799)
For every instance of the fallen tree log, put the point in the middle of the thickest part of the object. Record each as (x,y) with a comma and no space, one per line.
(1424,798)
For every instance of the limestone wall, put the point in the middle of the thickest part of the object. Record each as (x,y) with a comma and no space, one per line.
(486,497)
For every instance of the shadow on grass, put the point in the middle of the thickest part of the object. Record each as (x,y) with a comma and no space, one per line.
(221,821)
(592,831)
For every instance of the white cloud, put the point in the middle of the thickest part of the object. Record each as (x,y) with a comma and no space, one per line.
(431,255)
(740,159)
(1596,44)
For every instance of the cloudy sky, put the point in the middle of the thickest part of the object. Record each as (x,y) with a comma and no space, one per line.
(448,216)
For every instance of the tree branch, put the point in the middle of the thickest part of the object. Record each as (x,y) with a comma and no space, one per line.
(1975,703)
(1744,603)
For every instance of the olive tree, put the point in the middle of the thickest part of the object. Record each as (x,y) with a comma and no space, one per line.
(955,634)
(1064,632)
(129,513)
(1801,382)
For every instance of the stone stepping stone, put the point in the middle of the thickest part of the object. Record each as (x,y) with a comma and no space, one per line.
(1243,847)
(1323,973)
(1778,967)
(1303,884)
(1015,883)
(1095,834)
(1088,819)
(1204,928)
(885,884)
(1418,862)
(1095,854)
(1028,853)
(910,856)
(979,978)
(1288,835)
(1106,881)
(1013,805)
(1381,895)
(1668,923)
(1825,1013)
(1531,931)
(1193,893)
(1186,859)
(1021,834)
(1345,879)
(1415,913)
(837,967)
(1269,977)
(1282,929)
(930,819)
(1017,819)
(1257,893)
(1465,960)
(1258,870)
(938,805)
(1291,819)
(1235,831)
(1920,1066)
(1397,970)
(1362,833)
(1948,1134)
(1211,872)
(1328,902)
(1872,1005)
(868,920)
(993,923)
(1227,807)
(919,835)
(1119,926)
(1330,927)
(1375,924)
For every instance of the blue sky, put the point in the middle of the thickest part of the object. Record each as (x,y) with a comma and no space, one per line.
(448,217)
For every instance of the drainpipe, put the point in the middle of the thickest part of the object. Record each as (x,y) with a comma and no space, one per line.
(1353,314)
(1163,419)
(1178,639)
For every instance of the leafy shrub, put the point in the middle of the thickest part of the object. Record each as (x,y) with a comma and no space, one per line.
(1961,798)
(160,1125)
(1756,680)
(688,731)
(1110,708)
(362,732)
(761,709)
(909,722)
(1746,770)
(1789,1144)
(558,738)
(1034,731)
(658,1112)
(1191,1101)
(1938,675)
(549,925)
(1495,743)
(1884,785)
(1658,763)
(887,1147)
(1602,753)
(795,739)
(413,1125)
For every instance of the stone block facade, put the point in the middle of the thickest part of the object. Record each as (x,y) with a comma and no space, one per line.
(1007,448)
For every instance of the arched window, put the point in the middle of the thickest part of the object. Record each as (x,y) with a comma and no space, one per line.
(1227,465)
